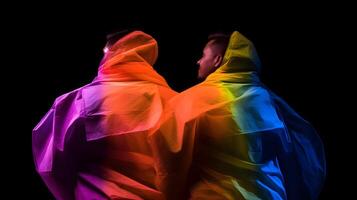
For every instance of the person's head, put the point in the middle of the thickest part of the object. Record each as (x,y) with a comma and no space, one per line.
(130,44)
(113,37)
(213,54)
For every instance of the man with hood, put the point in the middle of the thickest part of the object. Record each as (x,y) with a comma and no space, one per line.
(92,143)
(239,138)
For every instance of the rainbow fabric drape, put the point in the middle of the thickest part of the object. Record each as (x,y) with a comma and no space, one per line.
(92,143)
(127,135)
(248,143)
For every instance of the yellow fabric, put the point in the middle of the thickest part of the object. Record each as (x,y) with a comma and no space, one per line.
(220,124)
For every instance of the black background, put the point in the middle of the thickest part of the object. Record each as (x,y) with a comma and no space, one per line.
(57,48)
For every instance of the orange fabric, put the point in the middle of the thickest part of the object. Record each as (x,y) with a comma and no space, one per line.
(226,117)
(237,140)
(93,143)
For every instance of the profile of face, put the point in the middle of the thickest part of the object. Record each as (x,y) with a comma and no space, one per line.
(210,61)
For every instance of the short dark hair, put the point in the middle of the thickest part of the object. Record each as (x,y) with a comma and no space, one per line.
(220,40)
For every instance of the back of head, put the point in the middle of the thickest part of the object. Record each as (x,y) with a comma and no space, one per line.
(131,44)
(219,41)
(241,55)
(113,37)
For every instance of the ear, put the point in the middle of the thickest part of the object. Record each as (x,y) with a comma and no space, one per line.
(217,61)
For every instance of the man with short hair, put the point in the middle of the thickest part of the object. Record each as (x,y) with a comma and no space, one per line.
(242,141)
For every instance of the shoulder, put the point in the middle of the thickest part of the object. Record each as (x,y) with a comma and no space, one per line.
(68,97)
(255,93)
